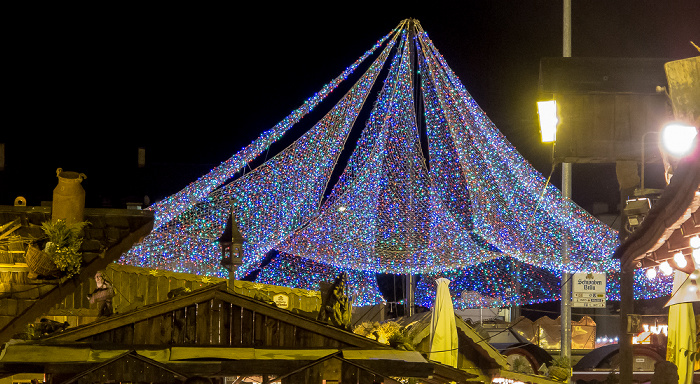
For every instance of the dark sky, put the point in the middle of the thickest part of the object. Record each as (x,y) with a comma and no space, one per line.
(87,87)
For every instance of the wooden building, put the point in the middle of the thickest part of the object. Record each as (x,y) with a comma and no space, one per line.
(217,333)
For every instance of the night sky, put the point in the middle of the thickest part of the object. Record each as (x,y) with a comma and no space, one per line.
(87,87)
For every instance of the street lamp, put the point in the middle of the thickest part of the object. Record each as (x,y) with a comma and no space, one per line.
(635,211)
(547,111)
(678,138)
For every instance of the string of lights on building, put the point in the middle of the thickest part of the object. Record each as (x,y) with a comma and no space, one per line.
(466,205)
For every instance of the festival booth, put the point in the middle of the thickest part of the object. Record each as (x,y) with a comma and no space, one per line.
(219,334)
(476,355)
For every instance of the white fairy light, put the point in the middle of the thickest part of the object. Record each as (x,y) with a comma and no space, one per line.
(680,260)
(666,268)
(651,273)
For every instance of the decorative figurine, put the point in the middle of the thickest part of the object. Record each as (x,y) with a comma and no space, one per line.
(102,295)
(336,306)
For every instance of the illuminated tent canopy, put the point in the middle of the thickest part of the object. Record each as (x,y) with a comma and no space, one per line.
(431,187)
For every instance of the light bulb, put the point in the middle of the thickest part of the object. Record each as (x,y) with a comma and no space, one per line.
(695,242)
(677,138)
(665,268)
(680,260)
(651,273)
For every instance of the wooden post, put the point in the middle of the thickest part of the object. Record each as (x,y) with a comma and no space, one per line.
(626,308)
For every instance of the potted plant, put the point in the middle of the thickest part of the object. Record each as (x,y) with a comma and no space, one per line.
(521,365)
(60,254)
(560,369)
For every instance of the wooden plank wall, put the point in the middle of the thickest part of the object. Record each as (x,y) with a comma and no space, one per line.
(135,287)
(215,322)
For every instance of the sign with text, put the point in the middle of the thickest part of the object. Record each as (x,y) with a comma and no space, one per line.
(281,300)
(588,290)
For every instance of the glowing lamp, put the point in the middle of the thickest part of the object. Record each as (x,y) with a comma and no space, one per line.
(547,111)
(695,242)
(680,260)
(666,268)
(651,273)
(678,138)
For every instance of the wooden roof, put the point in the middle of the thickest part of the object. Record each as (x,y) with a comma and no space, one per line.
(215,303)
(487,361)
(134,367)
(215,331)
(470,338)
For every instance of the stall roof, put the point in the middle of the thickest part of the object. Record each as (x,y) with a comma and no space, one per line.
(83,348)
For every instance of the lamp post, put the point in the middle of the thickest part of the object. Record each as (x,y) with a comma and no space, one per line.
(566,197)
(643,163)
(549,121)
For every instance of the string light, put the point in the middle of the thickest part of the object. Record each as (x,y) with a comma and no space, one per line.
(695,242)
(474,210)
(680,260)
(651,273)
(666,268)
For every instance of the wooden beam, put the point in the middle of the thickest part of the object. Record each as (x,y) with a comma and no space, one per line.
(317,361)
(14,267)
(7,229)
(678,241)
(674,208)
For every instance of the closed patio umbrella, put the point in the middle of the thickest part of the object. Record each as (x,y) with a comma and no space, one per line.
(681,325)
(443,327)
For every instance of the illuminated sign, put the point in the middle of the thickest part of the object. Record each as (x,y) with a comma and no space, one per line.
(281,300)
(588,290)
